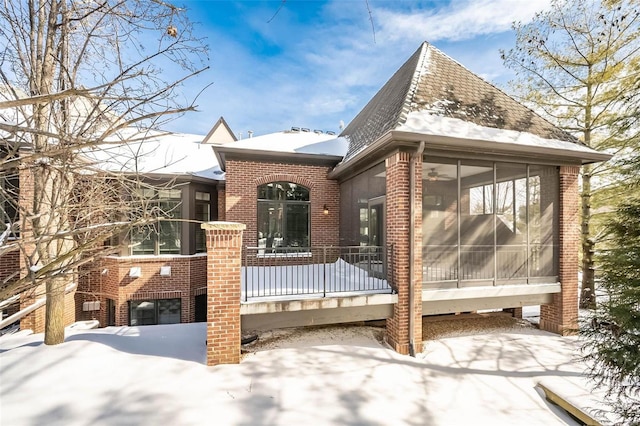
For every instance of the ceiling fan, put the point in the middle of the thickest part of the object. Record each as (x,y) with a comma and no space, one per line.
(433,176)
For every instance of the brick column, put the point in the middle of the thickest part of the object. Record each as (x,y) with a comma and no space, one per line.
(515,312)
(561,316)
(224,262)
(35,320)
(398,214)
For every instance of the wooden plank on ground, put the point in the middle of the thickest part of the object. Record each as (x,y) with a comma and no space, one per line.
(571,398)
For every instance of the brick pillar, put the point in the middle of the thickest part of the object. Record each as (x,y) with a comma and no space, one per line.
(398,211)
(224,262)
(561,316)
(515,312)
(35,320)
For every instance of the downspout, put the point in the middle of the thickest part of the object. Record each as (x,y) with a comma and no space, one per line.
(412,236)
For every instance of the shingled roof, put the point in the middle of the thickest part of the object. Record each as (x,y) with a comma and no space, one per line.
(434,83)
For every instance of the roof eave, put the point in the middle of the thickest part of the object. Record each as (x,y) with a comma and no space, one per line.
(259,155)
(396,139)
(372,151)
(178,177)
(219,156)
(484,146)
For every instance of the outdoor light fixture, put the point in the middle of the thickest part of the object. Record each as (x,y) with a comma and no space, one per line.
(325,210)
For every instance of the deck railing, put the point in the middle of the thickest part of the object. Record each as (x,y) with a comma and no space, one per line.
(440,262)
(315,271)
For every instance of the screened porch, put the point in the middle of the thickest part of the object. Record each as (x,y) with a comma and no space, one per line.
(488,224)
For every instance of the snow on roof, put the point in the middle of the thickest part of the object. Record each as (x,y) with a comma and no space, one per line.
(12,116)
(426,123)
(289,141)
(430,81)
(154,152)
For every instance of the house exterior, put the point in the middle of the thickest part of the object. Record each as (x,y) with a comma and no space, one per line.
(476,195)
(159,275)
(471,196)
(159,270)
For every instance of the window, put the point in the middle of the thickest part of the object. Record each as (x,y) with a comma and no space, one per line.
(163,236)
(283,215)
(202,214)
(151,312)
(9,187)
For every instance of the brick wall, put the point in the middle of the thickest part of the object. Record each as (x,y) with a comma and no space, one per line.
(35,320)
(562,314)
(69,308)
(90,289)
(244,177)
(398,234)
(112,281)
(197,282)
(9,265)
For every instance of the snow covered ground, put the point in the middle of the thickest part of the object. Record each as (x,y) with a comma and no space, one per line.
(329,375)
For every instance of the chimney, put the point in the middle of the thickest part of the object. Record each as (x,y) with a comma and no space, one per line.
(250,132)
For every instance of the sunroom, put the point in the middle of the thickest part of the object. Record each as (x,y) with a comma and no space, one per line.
(475,194)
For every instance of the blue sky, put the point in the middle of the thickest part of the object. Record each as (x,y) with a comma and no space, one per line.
(317,63)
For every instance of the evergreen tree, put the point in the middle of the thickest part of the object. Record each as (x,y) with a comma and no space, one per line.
(612,333)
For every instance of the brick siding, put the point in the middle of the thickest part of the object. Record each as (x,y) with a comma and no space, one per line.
(9,265)
(112,281)
(241,191)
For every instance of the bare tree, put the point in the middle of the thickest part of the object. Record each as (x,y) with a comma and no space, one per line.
(77,76)
(576,63)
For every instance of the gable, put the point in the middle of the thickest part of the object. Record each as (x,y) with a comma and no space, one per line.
(220,133)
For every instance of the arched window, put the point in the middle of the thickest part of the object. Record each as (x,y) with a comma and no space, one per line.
(283,215)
